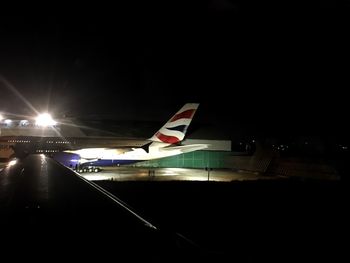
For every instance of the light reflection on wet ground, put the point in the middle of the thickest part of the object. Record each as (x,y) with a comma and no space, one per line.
(171,174)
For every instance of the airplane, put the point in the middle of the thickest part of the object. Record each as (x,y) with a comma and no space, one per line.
(93,152)
(163,143)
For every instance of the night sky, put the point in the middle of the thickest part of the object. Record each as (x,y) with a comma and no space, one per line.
(264,67)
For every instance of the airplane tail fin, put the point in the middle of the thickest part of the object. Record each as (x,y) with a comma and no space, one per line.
(175,129)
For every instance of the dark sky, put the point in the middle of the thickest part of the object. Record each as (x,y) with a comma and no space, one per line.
(263,66)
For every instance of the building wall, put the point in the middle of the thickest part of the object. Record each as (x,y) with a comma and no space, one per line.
(197,159)
(249,163)
(213,145)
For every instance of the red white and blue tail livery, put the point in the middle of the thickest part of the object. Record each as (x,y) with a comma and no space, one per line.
(175,129)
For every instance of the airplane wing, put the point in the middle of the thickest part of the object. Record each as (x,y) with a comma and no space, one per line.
(186,148)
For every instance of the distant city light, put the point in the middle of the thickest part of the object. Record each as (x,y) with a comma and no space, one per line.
(45,120)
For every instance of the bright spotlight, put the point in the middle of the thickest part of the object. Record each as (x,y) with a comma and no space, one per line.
(1,117)
(44,120)
(12,162)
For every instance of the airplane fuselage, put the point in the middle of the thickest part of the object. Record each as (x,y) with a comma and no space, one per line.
(21,145)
